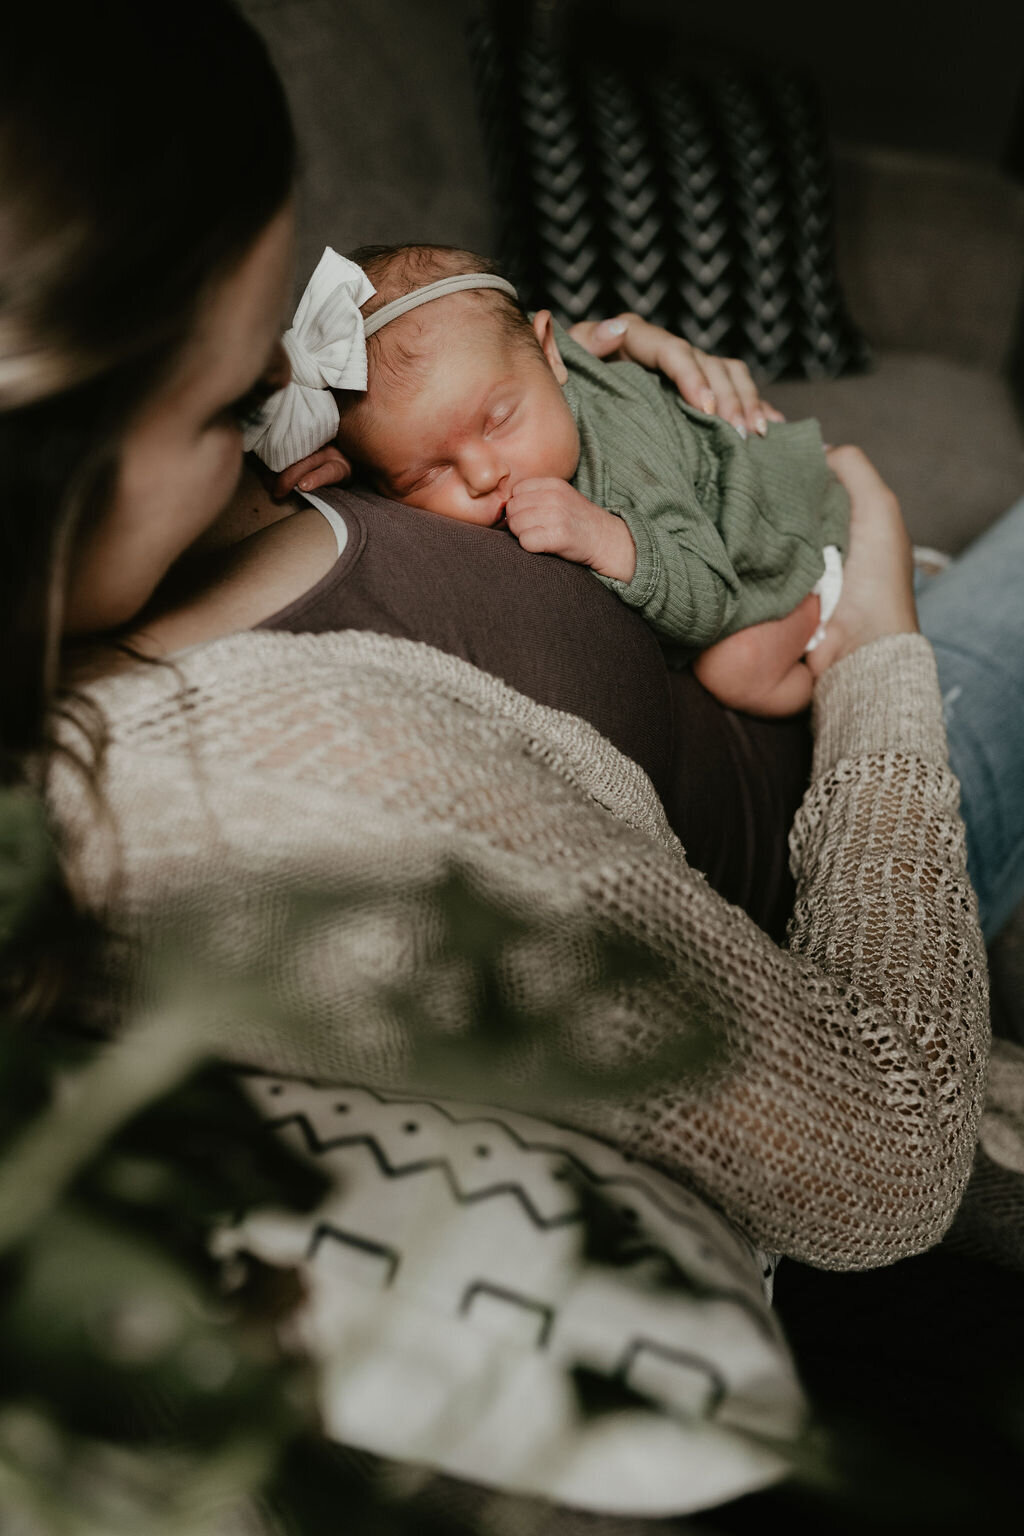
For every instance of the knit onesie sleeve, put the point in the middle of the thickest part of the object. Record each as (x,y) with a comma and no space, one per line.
(837,1120)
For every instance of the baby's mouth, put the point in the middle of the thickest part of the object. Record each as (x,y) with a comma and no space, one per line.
(499,521)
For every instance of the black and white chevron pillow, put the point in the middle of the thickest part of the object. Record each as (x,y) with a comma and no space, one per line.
(524,1307)
(700,199)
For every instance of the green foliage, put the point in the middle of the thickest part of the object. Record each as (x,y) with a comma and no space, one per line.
(136,1394)
(26,860)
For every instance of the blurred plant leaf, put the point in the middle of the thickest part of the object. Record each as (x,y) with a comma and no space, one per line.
(147,1060)
(130,1319)
(27,859)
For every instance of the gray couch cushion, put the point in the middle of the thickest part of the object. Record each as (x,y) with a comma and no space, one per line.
(943,434)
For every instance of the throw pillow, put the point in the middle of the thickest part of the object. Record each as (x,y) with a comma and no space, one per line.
(524,1307)
(698,197)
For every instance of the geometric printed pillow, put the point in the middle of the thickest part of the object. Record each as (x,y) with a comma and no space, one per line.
(523,1307)
(624,178)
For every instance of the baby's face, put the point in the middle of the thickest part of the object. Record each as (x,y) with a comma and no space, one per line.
(486,411)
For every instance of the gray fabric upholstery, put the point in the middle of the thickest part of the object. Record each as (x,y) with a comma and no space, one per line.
(945,436)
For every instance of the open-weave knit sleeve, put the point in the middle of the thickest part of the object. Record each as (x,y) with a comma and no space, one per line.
(837,1122)
(854,1116)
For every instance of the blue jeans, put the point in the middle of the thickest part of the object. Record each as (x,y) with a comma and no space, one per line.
(973,614)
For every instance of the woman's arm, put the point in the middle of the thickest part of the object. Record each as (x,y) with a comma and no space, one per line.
(888,1021)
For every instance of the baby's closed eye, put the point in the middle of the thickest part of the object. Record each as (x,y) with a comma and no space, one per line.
(500,418)
(407,485)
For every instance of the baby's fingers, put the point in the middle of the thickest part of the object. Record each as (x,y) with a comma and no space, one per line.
(543,485)
(327,466)
(539,539)
(536,534)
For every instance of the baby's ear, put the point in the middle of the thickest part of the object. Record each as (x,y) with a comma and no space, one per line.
(544,330)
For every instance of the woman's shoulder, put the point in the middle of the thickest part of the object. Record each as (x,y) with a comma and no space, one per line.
(236,588)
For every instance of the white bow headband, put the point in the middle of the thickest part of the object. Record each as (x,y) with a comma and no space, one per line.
(326,347)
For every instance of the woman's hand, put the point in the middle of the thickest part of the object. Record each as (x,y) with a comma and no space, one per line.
(719,386)
(327,466)
(878,577)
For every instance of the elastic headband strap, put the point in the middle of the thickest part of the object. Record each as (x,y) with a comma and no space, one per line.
(438,290)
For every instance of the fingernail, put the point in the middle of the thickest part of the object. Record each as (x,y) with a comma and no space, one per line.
(304,482)
(615,327)
(741,428)
(761,426)
(708,403)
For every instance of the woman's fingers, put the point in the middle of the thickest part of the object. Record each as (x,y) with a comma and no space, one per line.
(687,367)
(739,399)
(727,401)
(878,576)
(327,466)
(602,338)
(755,410)
(871,499)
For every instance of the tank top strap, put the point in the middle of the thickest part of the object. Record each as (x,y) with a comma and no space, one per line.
(339,527)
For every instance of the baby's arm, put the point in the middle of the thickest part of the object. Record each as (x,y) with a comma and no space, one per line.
(551,517)
(760,669)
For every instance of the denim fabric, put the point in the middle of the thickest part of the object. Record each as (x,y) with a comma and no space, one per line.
(973,614)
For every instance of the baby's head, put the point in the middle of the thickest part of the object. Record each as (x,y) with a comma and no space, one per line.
(464,395)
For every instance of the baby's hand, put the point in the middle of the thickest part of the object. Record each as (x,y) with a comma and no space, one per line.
(550,517)
(327,466)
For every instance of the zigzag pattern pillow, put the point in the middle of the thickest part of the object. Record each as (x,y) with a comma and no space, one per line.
(524,1307)
(702,201)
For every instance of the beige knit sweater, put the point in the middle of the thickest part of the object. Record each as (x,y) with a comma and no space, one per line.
(839,1125)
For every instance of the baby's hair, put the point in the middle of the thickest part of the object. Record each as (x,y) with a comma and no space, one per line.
(395,270)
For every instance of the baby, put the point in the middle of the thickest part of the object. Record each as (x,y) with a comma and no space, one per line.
(475,411)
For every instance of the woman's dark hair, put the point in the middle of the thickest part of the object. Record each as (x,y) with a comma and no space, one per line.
(143,148)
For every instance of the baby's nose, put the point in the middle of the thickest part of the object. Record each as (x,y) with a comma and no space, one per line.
(483,469)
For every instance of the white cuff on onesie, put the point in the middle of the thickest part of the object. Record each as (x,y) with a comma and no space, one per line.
(827,589)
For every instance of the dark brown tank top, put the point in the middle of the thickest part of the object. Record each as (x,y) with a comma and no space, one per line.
(730,784)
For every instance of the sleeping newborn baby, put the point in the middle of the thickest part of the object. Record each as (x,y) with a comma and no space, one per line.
(476,411)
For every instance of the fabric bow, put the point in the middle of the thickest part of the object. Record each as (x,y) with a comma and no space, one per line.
(327,350)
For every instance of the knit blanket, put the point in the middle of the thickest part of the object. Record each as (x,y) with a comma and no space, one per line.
(355,781)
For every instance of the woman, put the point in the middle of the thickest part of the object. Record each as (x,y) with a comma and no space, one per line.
(263,765)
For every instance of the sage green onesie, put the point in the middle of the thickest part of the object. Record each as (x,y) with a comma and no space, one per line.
(727,533)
